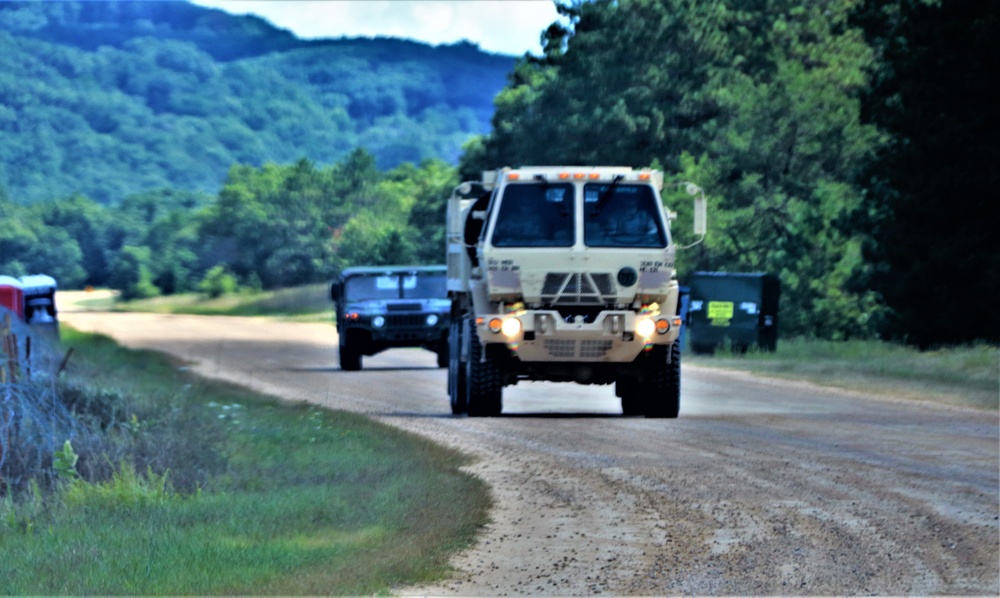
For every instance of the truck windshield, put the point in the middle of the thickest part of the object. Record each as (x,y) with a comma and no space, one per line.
(535,215)
(362,288)
(408,285)
(627,216)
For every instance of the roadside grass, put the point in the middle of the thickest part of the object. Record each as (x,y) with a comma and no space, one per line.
(308,302)
(966,376)
(298,499)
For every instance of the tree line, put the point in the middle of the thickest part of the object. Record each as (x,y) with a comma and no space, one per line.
(848,146)
(268,227)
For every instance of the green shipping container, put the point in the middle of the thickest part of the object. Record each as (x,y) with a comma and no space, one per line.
(741,308)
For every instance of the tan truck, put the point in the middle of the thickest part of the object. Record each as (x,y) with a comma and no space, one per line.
(564,274)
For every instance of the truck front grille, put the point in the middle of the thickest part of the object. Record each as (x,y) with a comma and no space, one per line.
(571,349)
(578,288)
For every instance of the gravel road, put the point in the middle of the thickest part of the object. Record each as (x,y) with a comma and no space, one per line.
(760,487)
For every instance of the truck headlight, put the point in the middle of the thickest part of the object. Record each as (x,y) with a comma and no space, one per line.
(378,321)
(432,319)
(645,327)
(511,327)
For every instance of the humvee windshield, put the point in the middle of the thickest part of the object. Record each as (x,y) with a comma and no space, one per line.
(535,215)
(405,285)
(621,216)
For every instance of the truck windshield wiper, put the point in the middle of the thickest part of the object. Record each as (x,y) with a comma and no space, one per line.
(603,199)
(563,208)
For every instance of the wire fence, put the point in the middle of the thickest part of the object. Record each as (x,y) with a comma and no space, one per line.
(34,422)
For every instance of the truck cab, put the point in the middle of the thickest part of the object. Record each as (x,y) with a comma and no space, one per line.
(384,307)
(565,274)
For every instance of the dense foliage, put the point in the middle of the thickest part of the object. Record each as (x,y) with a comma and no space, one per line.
(268,227)
(108,99)
(756,102)
(932,212)
(766,104)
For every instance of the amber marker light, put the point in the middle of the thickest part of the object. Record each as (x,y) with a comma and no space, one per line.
(662,326)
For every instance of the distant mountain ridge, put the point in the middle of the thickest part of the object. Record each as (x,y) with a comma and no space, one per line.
(107,99)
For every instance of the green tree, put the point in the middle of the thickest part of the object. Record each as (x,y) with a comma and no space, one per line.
(757,102)
(167,221)
(428,188)
(931,208)
(130,273)
(97,234)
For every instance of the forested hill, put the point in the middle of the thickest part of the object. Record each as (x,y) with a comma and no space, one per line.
(107,99)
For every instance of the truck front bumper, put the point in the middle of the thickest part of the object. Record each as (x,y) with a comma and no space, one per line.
(612,337)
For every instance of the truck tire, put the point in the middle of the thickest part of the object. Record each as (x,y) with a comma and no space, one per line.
(632,404)
(661,385)
(350,356)
(483,379)
(456,370)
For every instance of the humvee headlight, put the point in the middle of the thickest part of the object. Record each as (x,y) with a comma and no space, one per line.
(645,327)
(662,326)
(511,327)
(432,319)
(378,321)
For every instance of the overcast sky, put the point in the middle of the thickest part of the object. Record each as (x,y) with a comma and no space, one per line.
(500,26)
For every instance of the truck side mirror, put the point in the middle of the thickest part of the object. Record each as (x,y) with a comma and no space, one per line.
(335,291)
(700,208)
(700,215)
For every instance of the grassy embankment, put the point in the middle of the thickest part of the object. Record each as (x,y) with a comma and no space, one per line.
(307,303)
(267,497)
(963,376)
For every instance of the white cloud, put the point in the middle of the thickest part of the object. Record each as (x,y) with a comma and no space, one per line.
(501,26)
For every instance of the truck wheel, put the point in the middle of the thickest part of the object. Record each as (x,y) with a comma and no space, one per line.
(662,383)
(443,355)
(631,400)
(483,379)
(456,370)
(350,356)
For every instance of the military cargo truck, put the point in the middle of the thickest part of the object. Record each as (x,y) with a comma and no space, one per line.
(564,274)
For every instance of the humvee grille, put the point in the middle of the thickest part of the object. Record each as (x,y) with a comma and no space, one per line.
(578,288)
(405,320)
